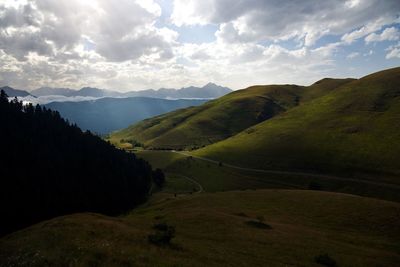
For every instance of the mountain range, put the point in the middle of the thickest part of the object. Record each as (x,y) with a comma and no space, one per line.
(11,92)
(208,91)
(107,114)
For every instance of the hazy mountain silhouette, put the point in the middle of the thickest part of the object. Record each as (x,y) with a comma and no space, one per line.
(109,114)
(11,92)
(208,91)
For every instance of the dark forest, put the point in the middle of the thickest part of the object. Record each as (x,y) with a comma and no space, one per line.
(49,168)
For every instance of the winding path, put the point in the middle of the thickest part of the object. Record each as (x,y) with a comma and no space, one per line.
(201,189)
(330,177)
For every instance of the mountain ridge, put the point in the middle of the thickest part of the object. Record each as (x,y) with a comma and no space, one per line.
(12,92)
(108,114)
(208,91)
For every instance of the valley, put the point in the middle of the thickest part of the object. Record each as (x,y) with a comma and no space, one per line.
(173,133)
(282,174)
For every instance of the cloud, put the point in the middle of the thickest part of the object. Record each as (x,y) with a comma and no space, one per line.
(118,31)
(353,55)
(79,43)
(255,63)
(133,44)
(42,100)
(389,34)
(256,20)
(393,51)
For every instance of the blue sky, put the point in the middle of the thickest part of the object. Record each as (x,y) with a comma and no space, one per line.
(140,44)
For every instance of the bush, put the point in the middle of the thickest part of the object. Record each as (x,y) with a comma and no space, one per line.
(258,224)
(314,186)
(325,260)
(260,218)
(163,235)
(158,177)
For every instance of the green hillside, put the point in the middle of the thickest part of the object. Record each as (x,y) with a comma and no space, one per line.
(352,130)
(221,118)
(239,228)
(184,174)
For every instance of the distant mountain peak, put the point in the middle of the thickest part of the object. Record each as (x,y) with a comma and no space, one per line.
(208,91)
(211,84)
(12,92)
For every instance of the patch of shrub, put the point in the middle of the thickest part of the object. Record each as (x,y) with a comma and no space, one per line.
(158,177)
(241,214)
(161,226)
(163,235)
(314,186)
(260,218)
(258,224)
(325,260)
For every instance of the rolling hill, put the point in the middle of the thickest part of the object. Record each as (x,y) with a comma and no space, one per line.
(353,130)
(224,117)
(237,228)
(105,115)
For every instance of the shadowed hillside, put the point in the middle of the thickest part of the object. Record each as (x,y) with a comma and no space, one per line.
(224,117)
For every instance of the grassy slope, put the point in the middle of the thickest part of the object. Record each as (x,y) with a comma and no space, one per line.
(215,178)
(211,231)
(212,177)
(223,117)
(354,128)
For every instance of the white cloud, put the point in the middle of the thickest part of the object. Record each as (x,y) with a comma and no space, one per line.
(250,63)
(77,43)
(119,31)
(367,29)
(353,55)
(130,44)
(389,34)
(255,20)
(42,100)
(393,51)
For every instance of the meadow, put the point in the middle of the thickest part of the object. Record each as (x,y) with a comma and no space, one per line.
(215,177)
(236,228)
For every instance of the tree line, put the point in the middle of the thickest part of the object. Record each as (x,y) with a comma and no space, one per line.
(49,167)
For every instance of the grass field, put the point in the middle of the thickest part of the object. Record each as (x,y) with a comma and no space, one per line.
(179,184)
(215,178)
(220,229)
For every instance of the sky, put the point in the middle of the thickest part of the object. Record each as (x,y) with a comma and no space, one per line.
(141,44)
